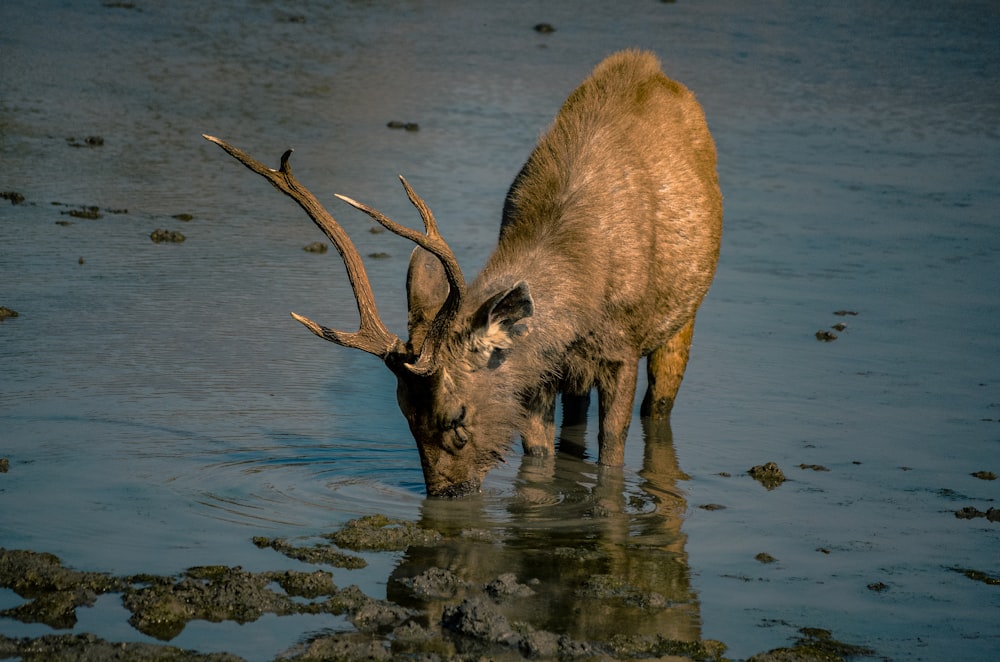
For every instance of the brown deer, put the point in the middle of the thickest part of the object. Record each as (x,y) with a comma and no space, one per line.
(608,243)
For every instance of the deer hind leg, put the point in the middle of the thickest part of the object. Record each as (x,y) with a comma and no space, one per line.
(665,370)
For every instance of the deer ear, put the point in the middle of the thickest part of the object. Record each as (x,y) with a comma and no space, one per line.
(496,321)
(426,290)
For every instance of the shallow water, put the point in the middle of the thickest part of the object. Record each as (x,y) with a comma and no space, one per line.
(159,408)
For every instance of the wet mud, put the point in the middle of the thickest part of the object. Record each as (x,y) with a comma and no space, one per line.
(431,614)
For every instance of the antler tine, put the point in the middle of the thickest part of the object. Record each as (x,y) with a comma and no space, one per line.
(431,241)
(372,337)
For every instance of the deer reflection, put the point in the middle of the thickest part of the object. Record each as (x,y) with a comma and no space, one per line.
(594,554)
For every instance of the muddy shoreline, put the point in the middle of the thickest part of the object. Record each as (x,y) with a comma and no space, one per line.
(432,615)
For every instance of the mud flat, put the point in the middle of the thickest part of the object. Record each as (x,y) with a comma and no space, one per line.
(433,614)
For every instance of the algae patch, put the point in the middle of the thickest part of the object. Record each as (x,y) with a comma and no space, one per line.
(379,533)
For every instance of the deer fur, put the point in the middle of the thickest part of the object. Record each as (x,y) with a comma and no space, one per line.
(608,244)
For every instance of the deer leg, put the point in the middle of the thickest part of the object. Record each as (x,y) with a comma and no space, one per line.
(665,370)
(538,435)
(616,392)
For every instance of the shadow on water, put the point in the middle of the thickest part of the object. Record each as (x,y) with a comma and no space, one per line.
(593,558)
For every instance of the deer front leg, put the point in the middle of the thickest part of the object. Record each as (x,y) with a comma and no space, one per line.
(538,433)
(616,392)
(665,370)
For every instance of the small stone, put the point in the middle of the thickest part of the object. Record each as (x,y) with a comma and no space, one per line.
(769,475)
(169,236)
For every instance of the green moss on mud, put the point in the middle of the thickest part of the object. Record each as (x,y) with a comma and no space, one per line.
(380,533)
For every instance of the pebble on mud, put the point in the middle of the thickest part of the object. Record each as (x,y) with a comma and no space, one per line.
(764,557)
(814,467)
(544,28)
(4,465)
(6,312)
(984,475)
(183,217)
(825,336)
(14,197)
(769,475)
(170,236)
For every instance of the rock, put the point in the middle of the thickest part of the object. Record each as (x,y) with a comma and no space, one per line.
(478,620)
(316,247)
(378,532)
(769,475)
(435,584)
(324,554)
(506,586)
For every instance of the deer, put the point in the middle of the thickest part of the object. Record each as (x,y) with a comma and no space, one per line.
(608,243)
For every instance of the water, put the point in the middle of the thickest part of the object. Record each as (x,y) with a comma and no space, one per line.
(159,407)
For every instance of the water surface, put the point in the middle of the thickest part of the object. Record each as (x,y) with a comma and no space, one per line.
(159,407)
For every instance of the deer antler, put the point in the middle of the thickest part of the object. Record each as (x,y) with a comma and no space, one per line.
(373,337)
(431,241)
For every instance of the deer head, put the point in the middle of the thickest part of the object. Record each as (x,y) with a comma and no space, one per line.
(451,381)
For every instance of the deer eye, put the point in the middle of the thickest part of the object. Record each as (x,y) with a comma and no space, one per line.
(461,437)
(457,426)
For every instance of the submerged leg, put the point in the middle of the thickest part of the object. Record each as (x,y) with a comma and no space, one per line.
(665,370)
